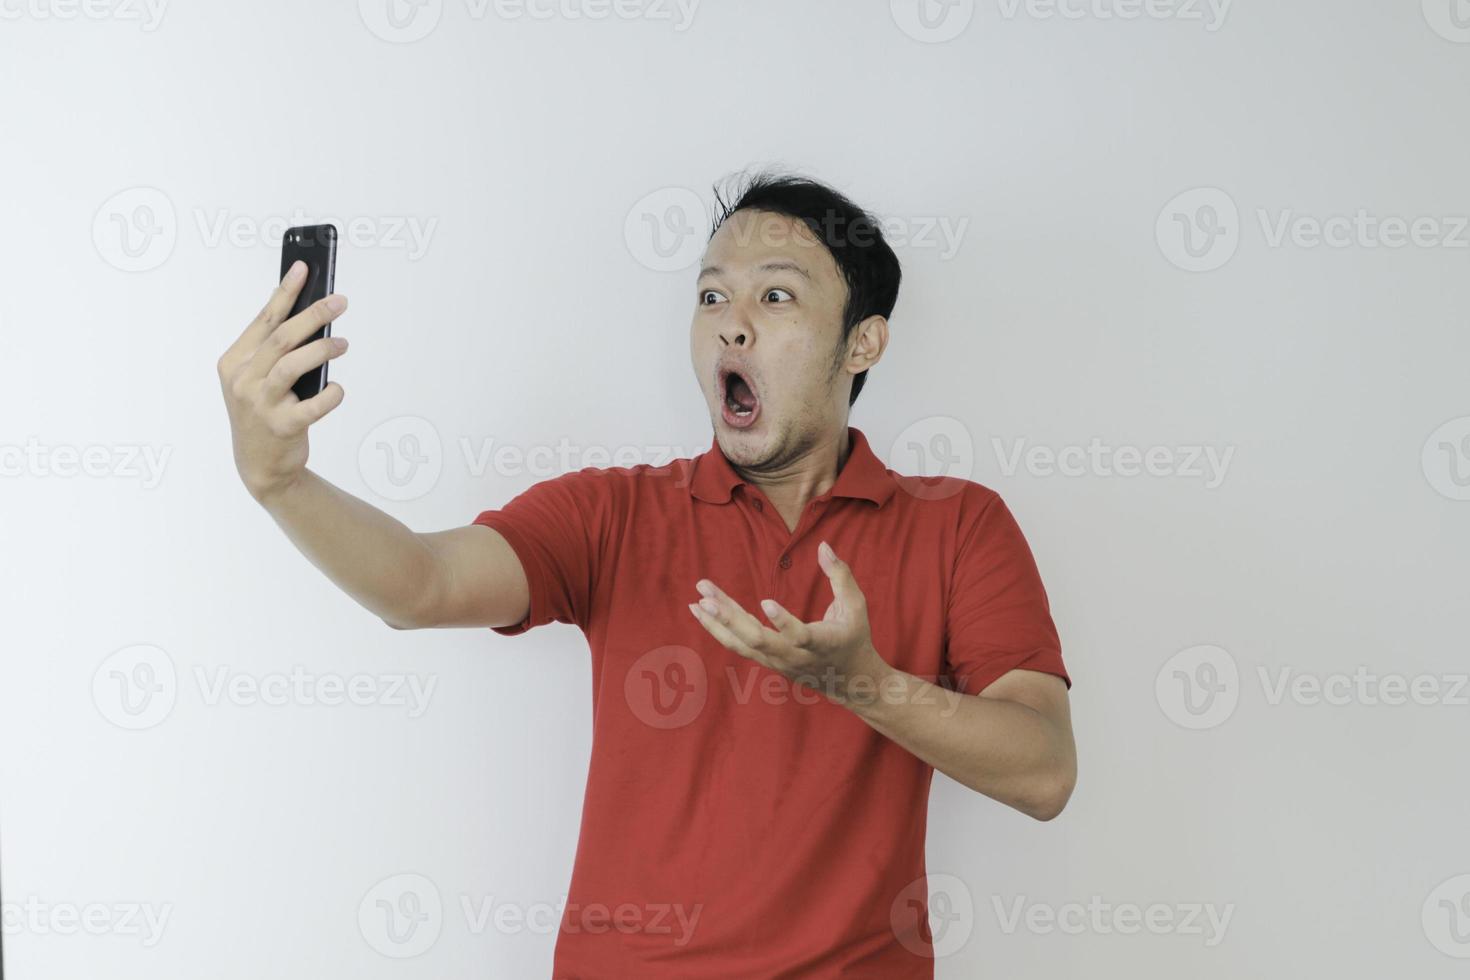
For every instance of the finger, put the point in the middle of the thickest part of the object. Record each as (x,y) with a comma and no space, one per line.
(303,414)
(271,314)
(792,628)
(293,332)
(722,633)
(750,630)
(844,587)
(291,367)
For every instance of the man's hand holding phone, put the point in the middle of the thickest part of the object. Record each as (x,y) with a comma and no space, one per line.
(268,422)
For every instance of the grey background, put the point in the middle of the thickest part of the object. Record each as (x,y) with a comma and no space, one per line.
(531,153)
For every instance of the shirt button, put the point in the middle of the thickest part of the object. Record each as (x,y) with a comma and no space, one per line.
(758,505)
(785,561)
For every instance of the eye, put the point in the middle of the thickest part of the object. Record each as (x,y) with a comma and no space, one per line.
(781,296)
(709,298)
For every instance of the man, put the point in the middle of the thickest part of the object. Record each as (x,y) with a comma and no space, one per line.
(787,638)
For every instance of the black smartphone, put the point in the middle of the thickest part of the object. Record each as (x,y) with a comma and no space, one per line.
(316,245)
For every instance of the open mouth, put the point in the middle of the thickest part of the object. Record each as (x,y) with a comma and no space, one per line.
(740,404)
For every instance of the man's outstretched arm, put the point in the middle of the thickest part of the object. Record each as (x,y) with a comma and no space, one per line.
(466,576)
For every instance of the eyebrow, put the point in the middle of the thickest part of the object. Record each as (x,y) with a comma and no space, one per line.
(773,265)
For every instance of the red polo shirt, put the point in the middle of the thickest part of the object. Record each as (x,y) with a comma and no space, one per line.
(735,825)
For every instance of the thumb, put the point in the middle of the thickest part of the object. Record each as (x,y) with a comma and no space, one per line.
(844,586)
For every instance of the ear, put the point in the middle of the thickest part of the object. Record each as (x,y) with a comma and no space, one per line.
(866,345)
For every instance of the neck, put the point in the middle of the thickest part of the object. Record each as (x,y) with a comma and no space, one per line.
(791,484)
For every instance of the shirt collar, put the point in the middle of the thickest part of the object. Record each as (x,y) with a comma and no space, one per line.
(863,475)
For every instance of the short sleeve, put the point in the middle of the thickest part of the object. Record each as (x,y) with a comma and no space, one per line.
(998,616)
(556,528)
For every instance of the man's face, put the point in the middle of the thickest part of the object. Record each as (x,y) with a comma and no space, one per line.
(769,303)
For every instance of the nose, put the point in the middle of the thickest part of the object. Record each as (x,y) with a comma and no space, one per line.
(738,330)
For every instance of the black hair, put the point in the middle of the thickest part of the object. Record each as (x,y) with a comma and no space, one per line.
(851,234)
